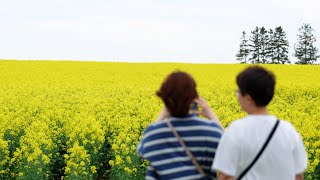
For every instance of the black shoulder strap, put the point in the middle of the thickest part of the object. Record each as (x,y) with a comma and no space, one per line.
(261,151)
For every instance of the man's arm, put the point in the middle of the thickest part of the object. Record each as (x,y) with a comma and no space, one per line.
(299,176)
(222,176)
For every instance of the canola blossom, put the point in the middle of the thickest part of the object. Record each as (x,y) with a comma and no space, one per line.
(83,120)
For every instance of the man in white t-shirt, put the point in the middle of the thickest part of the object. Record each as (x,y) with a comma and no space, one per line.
(283,158)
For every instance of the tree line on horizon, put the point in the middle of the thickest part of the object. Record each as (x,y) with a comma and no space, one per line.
(271,46)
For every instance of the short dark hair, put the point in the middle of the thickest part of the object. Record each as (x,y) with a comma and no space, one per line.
(177,92)
(259,83)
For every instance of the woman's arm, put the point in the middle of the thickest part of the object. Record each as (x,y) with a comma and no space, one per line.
(206,110)
(163,114)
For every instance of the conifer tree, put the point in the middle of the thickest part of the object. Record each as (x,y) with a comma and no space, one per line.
(280,46)
(264,41)
(244,50)
(270,47)
(255,47)
(305,50)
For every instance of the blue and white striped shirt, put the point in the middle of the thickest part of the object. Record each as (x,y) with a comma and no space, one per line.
(167,158)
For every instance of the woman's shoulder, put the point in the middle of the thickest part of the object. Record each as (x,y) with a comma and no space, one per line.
(190,121)
(156,125)
(208,122)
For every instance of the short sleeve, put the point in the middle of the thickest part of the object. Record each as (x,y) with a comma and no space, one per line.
(227,154)
(140,147)
(151,174)
(299,154)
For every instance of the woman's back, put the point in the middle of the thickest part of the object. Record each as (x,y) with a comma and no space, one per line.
(167,158)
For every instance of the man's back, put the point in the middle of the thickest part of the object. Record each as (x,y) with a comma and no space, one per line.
(283,158)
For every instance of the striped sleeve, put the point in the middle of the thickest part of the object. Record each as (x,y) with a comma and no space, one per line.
(141,145)
(151,174)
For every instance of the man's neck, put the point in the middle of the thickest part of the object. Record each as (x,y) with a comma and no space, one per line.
(259,111)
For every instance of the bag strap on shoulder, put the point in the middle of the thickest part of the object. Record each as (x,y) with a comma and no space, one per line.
(188,152)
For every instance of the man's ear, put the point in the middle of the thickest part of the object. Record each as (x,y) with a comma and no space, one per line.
(249,99)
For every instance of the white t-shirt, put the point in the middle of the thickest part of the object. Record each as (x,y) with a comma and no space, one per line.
(283,158)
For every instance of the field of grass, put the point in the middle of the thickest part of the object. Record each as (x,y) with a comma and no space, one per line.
(83,120)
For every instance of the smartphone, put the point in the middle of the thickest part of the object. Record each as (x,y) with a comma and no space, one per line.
(194,106)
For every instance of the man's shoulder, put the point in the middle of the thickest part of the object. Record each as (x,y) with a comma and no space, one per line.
(288,127)
(242,124)
(248,121)
(237,124)
(287,124)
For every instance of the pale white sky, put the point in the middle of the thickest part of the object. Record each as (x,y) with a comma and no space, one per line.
(204,31)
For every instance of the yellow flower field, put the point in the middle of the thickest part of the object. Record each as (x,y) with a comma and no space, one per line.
(83,120)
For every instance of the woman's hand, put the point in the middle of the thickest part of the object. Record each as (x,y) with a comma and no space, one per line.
(163,114)
(206,110)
